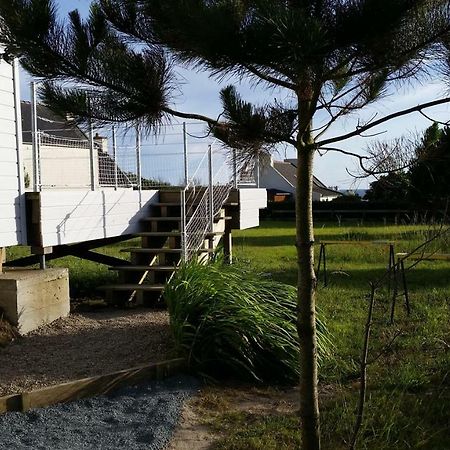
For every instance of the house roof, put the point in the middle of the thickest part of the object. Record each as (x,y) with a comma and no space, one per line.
(288,169)
(50,122)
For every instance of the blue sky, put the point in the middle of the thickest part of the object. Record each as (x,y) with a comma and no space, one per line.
(200,94)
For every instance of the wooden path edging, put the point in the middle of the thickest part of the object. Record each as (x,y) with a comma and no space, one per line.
(89,387)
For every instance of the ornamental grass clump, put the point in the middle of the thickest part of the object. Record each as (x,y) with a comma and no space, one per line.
(229,322)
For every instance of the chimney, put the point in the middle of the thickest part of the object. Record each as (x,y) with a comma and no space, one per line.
(101,142)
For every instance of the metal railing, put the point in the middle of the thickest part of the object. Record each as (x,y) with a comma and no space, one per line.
(209,201)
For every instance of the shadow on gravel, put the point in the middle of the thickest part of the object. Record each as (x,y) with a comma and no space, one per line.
(138,417)
(84,345)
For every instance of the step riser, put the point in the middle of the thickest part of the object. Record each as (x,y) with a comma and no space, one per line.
(160,229)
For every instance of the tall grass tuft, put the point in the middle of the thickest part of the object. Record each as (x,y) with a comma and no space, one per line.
(228,321)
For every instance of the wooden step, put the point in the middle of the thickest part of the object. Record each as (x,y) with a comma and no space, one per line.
(133,287)
(157,234)
(150,250)
(178,219)
(173,204)
(154,268)
(161,219)
(161,250)
(172,233)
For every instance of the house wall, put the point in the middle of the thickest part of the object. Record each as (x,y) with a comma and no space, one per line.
(81,215)
(12,216)
(61,167)
(270,178)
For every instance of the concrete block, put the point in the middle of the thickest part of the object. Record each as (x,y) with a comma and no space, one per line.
(31,298)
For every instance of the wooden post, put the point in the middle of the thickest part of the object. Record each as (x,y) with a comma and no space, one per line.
(2,258)
(228,245)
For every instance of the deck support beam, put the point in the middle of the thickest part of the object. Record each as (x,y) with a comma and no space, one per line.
(81,250)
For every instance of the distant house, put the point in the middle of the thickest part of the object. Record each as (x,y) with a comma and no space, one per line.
(65,152)
(280,179)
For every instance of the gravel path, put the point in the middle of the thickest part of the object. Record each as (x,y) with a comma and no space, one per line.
(84,345)
(140,417)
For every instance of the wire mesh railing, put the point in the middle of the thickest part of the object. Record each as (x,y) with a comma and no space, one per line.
(211,200)
(118,159)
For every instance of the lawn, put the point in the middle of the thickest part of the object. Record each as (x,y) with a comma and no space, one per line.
(408,400)
(408,395)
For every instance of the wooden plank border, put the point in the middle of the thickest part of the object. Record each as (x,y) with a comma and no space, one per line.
(89,387)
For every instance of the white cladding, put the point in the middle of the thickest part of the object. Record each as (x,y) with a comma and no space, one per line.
(12,216)
(70,216)
(250,202)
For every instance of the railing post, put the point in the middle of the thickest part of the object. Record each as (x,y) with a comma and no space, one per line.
(114,144)
(184,249)
(35,139)
(185,151)
(91,150)
(211,193)
(235,175)
(138,164)
(257,168)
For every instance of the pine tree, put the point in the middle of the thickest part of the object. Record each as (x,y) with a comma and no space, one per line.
(328,56)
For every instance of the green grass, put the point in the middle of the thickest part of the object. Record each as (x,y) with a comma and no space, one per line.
(408,393)
(228,321)
(409,385)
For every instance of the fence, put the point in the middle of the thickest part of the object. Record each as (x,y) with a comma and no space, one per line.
(124,158)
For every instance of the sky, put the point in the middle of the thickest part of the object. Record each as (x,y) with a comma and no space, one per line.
(200,94)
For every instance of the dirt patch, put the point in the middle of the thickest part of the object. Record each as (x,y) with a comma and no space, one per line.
(82,345)
(7,332)
(200,425)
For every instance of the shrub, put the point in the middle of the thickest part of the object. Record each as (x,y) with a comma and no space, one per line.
(228,321)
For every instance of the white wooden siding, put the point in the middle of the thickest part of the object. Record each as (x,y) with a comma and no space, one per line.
(11,187)
(250,202)
(77,216)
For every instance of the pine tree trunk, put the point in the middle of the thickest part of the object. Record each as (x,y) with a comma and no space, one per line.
(306,314)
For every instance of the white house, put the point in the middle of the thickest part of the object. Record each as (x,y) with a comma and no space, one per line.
(68,207)
(281,176)
(12,197)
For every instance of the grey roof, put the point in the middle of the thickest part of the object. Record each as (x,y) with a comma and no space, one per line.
(289,171)
(50,122)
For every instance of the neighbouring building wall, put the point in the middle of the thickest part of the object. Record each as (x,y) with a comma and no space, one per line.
(12,215)
(61,167)
(70,216)
(271,179)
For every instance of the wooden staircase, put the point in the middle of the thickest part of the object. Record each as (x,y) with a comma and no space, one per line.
(155,262)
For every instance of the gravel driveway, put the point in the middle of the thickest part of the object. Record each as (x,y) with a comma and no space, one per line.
(139,417)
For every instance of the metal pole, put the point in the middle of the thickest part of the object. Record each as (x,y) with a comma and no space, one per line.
(114,143)
(138,164)
(211,193)
(91,150)
(34,138)
(184,255)
(186,167)
(235,180)
(257,170)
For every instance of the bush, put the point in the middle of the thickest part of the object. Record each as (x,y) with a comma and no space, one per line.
(228,321)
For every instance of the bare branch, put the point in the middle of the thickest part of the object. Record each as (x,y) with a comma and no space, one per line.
(364,363)
(385,119)
(269,78)
(445,124)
